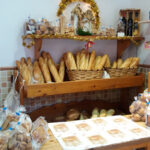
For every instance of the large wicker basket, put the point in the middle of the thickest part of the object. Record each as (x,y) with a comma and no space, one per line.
(84,74)
(121,72)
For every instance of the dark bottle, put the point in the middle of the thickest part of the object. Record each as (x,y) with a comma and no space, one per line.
(130,25)
(125,23)
(136,25)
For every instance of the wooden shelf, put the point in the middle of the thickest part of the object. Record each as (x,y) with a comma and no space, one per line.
(38,90)
(141,22)
(122,42)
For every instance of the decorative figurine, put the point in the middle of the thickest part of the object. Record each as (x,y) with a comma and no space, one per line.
(30,26)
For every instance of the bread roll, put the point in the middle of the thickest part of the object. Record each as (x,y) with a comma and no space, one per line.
(103,61)
(53,70)
(91,61)
(44,69)
(97,63)
(126,63)
(114,66)
(70,61)
(119,63)
(82,60)
(37,74)
(62,69)
(78,60)
(107,64)
(134,62)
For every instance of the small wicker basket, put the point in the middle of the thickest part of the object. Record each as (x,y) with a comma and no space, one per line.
(84,74)
(121,72)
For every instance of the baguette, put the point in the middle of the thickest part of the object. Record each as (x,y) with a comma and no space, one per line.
(103,61)
(87,60)
(126,63)
(37,74)
(114,66)
(78,60)
(44,69)
(119,63)
(62,69)
(30,66)
(53,70)
(82,60)
(70,61)
(97,63)
(107,64)
(44,55)
(91,61)
(134,62)
(22,61)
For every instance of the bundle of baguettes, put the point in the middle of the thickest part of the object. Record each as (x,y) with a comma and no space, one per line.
(121,68)
(85,65)
(41,71)
(129,63)
(84,60)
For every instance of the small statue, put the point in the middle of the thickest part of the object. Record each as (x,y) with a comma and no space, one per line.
(30,26)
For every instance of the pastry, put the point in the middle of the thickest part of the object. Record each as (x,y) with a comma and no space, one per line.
(91,60)
(45,70)
(73,114)
(61,128)
(96,139)
(71,141)
(83,126)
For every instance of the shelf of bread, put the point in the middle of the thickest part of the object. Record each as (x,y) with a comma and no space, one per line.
(46,89)
(82,38)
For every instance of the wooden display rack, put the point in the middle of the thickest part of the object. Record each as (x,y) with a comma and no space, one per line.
(122,42)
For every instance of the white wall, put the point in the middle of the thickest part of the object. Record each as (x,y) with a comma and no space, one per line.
(13,14)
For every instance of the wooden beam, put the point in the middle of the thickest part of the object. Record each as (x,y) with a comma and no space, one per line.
(37,48)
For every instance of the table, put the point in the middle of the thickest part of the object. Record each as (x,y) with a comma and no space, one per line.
(53,144)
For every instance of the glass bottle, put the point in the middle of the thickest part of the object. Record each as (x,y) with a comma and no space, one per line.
(125,23)
(136,25)
(130,25)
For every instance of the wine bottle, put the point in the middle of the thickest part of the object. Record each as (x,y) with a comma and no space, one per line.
(130,25)
(136,25)
(125,23)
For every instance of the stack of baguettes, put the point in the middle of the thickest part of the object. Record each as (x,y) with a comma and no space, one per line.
(124,68)
(41,71)
(85,65)
(84,60)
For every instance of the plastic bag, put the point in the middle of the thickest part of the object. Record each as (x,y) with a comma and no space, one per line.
(20,141)
(3,141)
(39,133)
(137,109)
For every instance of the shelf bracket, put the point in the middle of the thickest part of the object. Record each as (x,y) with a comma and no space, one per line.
(37,48)
(121,47)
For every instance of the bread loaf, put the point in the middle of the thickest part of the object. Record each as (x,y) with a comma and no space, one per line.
(45,70)
(91,60)
(114,66)
(62,69)
(97,63)
(87,60)
(103,61)
(37,74)
(135,62)
(70,61)
(126,63)
(107,64)
(82,60)
(119,63)
(78,60)
(53,70)
(30,66)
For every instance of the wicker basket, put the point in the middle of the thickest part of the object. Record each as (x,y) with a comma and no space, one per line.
(84,75)
(121,72)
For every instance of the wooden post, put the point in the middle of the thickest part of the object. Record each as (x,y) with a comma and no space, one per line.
(149,82)
(37,48)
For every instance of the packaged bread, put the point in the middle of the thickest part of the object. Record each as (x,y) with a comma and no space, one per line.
(91,60)
(3,142)
(40,121)
(137,109)
(62,69)
(70,61)
(119,63)
(54,71)
(37,74)
(45,70)
(20,141)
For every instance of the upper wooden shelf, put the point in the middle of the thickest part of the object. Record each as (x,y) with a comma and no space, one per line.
(141,22)
(38,90)
(83,38)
